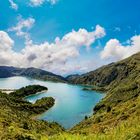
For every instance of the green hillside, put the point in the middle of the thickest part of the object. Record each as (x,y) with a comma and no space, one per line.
(111,75)
(122,102)
(17,116)
(117,116)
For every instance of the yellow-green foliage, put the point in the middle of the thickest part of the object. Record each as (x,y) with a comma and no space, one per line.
(122,103)
(128,130)
(16,118)
(106,120)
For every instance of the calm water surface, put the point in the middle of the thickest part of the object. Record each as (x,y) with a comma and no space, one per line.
(72,104)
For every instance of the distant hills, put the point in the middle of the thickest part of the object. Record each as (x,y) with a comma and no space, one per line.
(106,76)
(6,71)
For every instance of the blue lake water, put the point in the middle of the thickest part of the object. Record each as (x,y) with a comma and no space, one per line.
(72,103)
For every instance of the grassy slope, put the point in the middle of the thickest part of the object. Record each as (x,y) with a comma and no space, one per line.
(117,116)
(120,106)
(127,130)
(16,118)
(117,127)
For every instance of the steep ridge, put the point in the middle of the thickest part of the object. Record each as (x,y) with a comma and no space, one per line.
(6,71)
(122,102)
(110,75)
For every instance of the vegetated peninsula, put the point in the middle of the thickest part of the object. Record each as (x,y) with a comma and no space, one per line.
(16,115)
(117,116)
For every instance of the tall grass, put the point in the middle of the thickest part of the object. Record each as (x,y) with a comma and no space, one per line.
(129,130)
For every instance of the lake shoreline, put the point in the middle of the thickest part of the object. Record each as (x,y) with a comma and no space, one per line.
(71,100)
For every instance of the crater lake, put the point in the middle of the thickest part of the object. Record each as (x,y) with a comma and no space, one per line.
(72,103)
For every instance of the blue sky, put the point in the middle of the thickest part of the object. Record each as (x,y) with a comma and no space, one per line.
(120,20)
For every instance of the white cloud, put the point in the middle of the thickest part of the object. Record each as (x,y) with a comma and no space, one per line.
(54,56)
(114,50)
(81,66)
(22,27)
(7,55)
(13,5)
(5,41)
(36,3)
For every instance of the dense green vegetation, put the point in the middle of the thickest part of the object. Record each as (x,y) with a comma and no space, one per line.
(111,75)
(127,130)
(121,104)
(44,103)
(17,117)
(29,90)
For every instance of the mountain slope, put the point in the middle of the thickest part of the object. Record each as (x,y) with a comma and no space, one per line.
(110,75)
(6,71)
(122,102)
